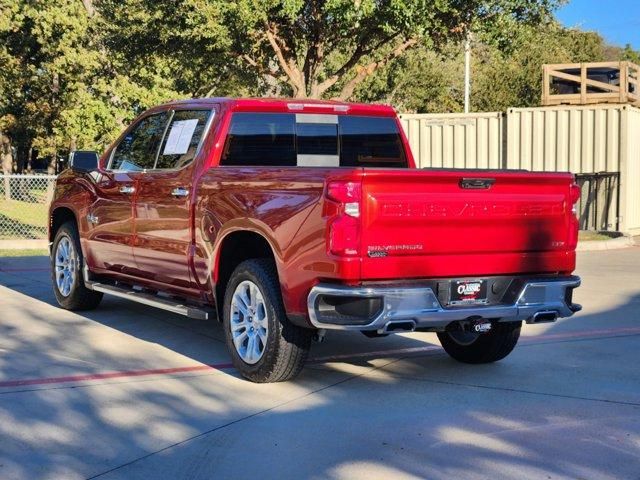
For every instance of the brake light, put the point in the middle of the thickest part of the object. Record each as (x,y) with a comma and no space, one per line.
(344,221)
(297,107)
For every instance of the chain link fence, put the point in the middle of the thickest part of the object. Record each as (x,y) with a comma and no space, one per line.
(24,206)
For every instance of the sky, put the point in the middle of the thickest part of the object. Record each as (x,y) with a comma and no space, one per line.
(618,21)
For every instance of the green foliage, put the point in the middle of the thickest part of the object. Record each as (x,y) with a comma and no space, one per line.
(515,79)
(74,72)
(506,72)
(300,48)
(630,54)
(61,83)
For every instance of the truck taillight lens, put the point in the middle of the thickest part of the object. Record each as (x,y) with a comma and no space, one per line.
(347,194)
(344,224)
(344,233)
(574,224)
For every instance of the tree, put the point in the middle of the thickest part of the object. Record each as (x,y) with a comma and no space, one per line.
(506,69)
(628,53)
(6,156)
(59,80)
(514,78)
(420,81)
(74,72)
(301,48)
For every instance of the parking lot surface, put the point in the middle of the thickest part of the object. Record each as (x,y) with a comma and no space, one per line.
(130,392)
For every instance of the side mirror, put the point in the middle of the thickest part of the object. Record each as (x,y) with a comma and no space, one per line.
(83,161)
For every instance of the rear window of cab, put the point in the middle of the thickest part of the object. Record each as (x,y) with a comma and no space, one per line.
(313,140)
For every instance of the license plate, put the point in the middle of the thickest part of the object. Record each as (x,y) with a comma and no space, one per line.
(468,292)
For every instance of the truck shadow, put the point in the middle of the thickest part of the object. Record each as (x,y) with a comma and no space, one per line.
(198,340)
(551,408)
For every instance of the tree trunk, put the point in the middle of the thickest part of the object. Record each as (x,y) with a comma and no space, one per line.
(7,163)
(89,7)
(22,156)
(31,158)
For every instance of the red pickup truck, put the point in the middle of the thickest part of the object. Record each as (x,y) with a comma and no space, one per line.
(285,218)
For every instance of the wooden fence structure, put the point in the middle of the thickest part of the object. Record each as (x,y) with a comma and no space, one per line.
(590,83)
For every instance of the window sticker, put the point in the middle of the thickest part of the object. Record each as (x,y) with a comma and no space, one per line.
(180,137)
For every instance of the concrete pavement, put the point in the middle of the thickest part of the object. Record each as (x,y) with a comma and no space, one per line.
(128,392)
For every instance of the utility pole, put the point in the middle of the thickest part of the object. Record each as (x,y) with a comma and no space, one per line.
(467,72)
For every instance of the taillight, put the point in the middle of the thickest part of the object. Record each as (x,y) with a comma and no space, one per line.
(574,224)
(344,224)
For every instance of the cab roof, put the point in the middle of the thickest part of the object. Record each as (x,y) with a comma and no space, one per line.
(285,105)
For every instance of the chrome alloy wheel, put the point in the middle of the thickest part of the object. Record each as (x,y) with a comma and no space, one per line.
(249,323)
(65,265)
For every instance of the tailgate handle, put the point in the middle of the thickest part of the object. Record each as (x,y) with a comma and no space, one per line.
(477,183)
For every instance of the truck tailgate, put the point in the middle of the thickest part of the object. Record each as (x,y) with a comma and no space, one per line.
(436,223)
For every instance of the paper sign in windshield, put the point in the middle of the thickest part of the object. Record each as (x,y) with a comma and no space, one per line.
(180,137)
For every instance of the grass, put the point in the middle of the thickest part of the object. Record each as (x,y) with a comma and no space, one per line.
(22,219)
(24,253)
(589,236)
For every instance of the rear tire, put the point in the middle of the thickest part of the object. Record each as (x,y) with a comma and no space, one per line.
(481,347)
(66,271)
(264,345)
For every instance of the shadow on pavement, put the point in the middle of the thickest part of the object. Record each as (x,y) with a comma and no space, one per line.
(557,408)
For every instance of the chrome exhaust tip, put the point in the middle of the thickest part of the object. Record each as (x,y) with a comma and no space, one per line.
(399,326)
(543,317)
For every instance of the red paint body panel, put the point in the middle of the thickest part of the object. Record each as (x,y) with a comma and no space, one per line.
(163,227)
(413,223)
(427,224)
(111,240)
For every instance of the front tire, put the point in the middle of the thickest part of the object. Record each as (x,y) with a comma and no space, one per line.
(477,348)
(66,271)
(264,345)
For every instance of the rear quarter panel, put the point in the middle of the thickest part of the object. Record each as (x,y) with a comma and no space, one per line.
(283,205)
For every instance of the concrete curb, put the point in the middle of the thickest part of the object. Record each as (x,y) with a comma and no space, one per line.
(23,244)
(613,244)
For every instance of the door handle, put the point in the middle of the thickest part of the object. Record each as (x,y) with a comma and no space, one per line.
(180,192)
(127,189)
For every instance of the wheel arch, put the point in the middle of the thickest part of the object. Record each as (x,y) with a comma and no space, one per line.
(59,216)
(234,248)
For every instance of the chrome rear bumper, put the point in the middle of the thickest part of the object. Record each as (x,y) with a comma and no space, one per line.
(418,307)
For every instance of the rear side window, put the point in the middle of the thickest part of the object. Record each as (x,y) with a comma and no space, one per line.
(285,140)
(137,150)
(182,138)
(261,139)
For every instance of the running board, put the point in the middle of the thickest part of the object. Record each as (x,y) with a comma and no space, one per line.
(151,300)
